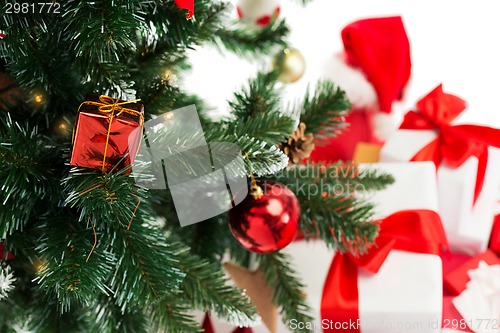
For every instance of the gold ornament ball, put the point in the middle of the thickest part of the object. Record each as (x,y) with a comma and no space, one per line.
(290,64)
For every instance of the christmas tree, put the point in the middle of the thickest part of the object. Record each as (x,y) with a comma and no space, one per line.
(91,250)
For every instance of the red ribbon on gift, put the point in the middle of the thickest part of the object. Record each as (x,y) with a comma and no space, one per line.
(495,236)
(454,144)
(417,231)
(186,4)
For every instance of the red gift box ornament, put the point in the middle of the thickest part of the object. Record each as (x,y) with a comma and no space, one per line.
(418,231)
(454,143)
(106,134)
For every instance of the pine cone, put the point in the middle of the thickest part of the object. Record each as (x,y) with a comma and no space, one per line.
(298,146)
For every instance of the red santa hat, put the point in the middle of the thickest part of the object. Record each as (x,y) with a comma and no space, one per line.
(373,70)
(379,47)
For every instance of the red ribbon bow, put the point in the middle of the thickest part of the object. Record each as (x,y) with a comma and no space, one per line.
(454,144)
(186,4)
(417,231)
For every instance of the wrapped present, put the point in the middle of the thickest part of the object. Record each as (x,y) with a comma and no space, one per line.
(467,158)
(456,280)
(404,265)
(452,319)
(452,261)
(495,236)
(478,302)
(373,290)
(456,268)
(406,270)
(367,153)
(107,133)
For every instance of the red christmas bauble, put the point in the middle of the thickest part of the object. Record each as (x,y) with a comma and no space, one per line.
(266,221)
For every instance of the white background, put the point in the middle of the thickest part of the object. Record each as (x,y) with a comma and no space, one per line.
(455,42)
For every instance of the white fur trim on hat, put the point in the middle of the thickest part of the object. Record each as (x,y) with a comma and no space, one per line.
(385,124)
(352,80)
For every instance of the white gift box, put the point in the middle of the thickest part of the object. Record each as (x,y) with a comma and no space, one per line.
(468,225)
(406,294)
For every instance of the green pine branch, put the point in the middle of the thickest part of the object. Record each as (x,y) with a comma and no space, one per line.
(237,253)
(206,288)
(173,32)
(200,237)
(265,158)
(103,198)
(32,312)
(161,96)
(31,45)
(64,273)
(288,290)
(146,268)
(260,97)
(332,204)
(324,111)
(27,174)
(252,42)
(103,26)
(171,314)
(107,317)
(272,127)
